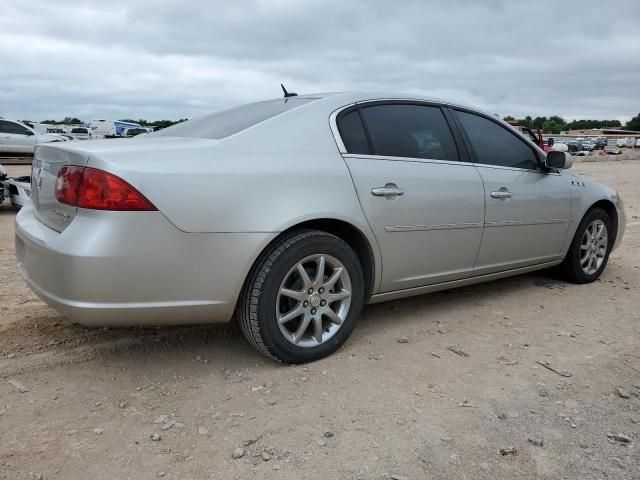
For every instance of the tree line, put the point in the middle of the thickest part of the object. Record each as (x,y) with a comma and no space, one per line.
(157,124)
(553,124)
(556,124)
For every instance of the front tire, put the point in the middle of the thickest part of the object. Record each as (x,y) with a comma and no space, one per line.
(303,297)
(589,251)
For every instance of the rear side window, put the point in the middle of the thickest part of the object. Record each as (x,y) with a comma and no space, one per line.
(495,145)
(415,131)
(353,134)
(222,124)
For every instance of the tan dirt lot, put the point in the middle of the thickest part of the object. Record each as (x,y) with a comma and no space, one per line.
(378,409)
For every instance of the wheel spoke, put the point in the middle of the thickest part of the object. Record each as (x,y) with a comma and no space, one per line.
(335,276)
(599,228)
(320,273)
(334,297)
(304,324)
(299,296)
(306,281)
(295,313)
(317,329)
(583,260)
(333,316)
(584,247)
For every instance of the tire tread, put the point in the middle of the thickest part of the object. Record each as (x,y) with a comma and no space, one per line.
(249,300)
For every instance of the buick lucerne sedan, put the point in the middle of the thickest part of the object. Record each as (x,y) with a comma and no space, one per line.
(290,214)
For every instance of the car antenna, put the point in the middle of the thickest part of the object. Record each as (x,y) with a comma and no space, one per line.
(287,94)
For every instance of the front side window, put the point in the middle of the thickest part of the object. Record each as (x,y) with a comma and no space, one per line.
(10,127)
(495,145)
(415,131)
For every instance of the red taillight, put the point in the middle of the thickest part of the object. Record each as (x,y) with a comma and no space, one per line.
(98,190)
(67,184)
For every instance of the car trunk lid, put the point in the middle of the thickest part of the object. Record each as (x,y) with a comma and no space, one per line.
(47,162)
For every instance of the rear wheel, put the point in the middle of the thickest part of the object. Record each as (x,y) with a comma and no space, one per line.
(590,248)
(303,297)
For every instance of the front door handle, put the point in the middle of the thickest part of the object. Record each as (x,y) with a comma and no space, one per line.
(501,194)
(389,190)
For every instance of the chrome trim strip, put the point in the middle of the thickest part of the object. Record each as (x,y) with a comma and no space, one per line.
(389,158)
(436,287)
(516,223)
(455,226)
(426,228)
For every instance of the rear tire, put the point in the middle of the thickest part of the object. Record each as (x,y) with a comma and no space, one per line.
(589,251)
(292,314)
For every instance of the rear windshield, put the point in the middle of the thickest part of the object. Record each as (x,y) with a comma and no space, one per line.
(222,124)
(79,130)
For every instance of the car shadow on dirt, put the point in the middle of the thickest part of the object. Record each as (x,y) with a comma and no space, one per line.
(42,340)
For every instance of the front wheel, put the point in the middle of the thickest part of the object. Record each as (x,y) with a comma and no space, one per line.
(590,248)
(303,297)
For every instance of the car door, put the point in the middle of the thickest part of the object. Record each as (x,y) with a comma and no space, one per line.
(16,138)
(424,205)
(527,206)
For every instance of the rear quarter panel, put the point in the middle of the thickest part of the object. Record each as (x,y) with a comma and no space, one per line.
(268,178)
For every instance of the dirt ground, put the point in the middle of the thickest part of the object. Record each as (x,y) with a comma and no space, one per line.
(378,409)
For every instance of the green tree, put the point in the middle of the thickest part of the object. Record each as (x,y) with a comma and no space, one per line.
(538,122)
(551,126)
(633,124)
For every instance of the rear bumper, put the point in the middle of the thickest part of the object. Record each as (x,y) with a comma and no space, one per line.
(134,268)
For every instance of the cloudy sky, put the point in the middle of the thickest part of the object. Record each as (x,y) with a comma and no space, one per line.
(171,59)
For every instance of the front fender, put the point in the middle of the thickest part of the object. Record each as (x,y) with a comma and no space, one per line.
(585,194)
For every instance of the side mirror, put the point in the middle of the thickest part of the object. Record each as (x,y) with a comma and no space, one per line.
(558,160)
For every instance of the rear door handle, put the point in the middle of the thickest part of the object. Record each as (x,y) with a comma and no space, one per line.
(501,194)
(389,190)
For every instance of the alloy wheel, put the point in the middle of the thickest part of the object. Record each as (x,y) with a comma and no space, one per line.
(313,300)
(593,247)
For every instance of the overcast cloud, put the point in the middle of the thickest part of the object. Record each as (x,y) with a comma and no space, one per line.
(170,59)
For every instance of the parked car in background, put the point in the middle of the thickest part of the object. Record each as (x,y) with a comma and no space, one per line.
(110,128)
(573,146)
(132,132)
(19,190)
(292,233)
(3,178)
(81,133)
(18,139)
(587,146)
(637,145)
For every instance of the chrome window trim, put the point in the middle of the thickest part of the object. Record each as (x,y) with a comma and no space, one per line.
(333,124)
(516,169)
(407,159)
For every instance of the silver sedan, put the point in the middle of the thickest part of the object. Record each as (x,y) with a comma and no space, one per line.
(290,214)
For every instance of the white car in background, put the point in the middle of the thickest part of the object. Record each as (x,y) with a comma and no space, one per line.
(134,131)
(17,138)
(81,133)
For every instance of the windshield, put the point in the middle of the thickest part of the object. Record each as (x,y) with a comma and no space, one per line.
(222,124)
